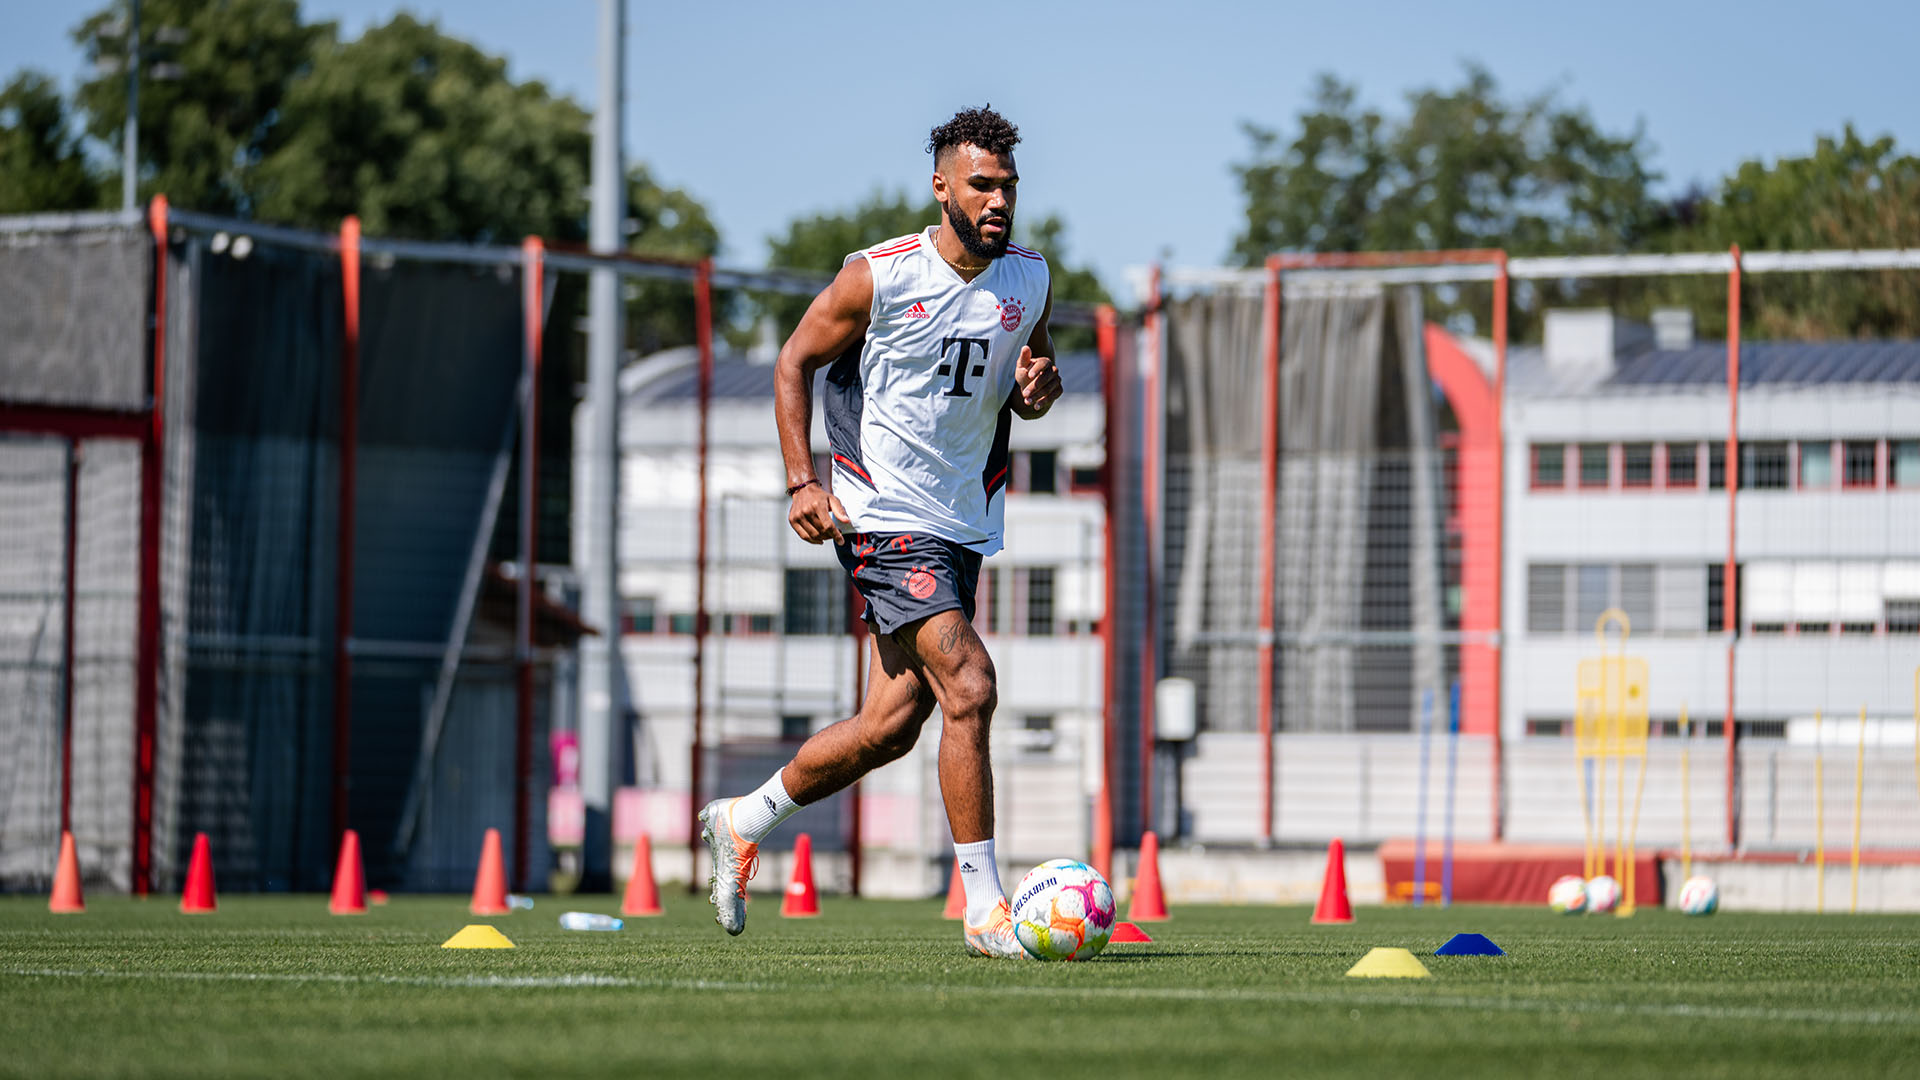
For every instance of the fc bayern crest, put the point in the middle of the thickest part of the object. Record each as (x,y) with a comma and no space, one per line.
(1011,312)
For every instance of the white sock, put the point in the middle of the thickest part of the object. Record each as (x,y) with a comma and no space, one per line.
(758,814)
(980,877)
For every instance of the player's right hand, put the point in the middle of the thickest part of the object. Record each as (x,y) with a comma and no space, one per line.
(814,513)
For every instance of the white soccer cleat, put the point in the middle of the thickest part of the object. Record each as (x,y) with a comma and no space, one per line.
(995,938)
(734,863)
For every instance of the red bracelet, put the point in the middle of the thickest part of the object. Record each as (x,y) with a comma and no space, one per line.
(800,485)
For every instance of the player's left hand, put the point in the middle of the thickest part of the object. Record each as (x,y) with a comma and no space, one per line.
(1037,377)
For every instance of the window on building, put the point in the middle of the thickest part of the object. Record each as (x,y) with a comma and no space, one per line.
(1636,465)
(816,602)
(1903,616)
(1717,465)
(680,623)
(1716,597)
(1680,599)
(999,600)
(1683,465)
(1549,465)
(1861,464)
(639,614)
(795,727)
(1043,471)
(1546,598)
(1593,595)
(1763,466)
(1816,465)
(1596,465)
(1857,628)
(1039,597)
(1637,597)
(1903,460)
(1086,479)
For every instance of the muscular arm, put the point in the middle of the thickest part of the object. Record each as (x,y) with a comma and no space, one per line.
(835,322)
(1037,376)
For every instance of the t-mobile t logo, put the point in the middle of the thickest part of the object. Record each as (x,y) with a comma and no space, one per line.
(966,366)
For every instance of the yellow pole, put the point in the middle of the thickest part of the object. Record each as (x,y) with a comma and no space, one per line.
(1600,813)
(1859,775)
(1586,810)
(1686,801)
(1619,818)
(1633,856)
(1819,820)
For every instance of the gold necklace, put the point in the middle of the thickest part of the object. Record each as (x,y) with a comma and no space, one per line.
(957,268)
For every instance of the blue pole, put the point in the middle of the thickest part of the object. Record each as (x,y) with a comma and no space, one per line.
(1453,758)
(1420,812)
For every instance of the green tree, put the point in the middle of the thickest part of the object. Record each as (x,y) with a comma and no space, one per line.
(1848,193)
(424,136)
(821,242)
(1461,168)
(204,132)
(671,223)
(42,165)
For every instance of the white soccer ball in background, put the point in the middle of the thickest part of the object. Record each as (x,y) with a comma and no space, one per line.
(1603,895)
(1699,896)
(1568,895)
(1063,910)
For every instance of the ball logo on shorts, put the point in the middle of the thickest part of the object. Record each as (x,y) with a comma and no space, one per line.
(920,584)
(1011,312)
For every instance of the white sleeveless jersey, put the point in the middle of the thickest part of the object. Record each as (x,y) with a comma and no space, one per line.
(918,416)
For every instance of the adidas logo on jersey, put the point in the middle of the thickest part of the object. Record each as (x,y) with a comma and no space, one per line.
(918,311)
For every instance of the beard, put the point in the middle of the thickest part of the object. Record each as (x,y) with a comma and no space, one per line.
(968,233)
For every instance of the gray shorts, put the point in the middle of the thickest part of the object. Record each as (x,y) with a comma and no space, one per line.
(904,577)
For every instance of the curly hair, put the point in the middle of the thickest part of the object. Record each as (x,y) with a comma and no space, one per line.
(981,127)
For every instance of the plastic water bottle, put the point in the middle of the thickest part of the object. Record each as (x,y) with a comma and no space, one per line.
(516,902)
(581,920)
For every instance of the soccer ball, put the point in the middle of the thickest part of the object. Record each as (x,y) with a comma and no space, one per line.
(1063,910)
(1603,894)
(1568,895)
(1699,896)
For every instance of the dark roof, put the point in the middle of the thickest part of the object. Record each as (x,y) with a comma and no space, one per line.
(735,377)
(1773,363)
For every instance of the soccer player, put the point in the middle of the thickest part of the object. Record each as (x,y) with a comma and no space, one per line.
(936,341)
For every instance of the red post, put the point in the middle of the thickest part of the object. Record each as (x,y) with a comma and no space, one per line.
(147,691)
(703,333)
(1730,578)
(1107,333)
(1150,511)
(1500,282)
(532,289)
(66,643)
(1269,513)
(343,537)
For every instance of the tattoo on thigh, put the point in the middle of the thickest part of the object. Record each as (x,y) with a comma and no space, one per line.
(950,635)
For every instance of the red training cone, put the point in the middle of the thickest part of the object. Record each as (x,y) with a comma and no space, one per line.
(66,898)
(801,901)
(490,881)
(197,897)
(1149,903)
(956,896)
(349,879)
(1333,906)
(1126,931)
(643,896)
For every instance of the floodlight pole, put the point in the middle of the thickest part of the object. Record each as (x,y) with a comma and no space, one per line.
(532,290)
(1497,736)
(600,699)
(1730,577)
(1107,333)
(147,674)
(344,523)
(130,135)
(1150,513)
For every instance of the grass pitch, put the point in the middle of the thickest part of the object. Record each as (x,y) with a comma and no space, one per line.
(275,986)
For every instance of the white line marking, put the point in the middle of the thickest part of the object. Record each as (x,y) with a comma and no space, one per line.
(1731,1013)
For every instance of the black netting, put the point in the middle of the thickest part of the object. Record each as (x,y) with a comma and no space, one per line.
(72,327)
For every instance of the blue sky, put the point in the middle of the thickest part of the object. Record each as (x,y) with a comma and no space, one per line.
(1131,111)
